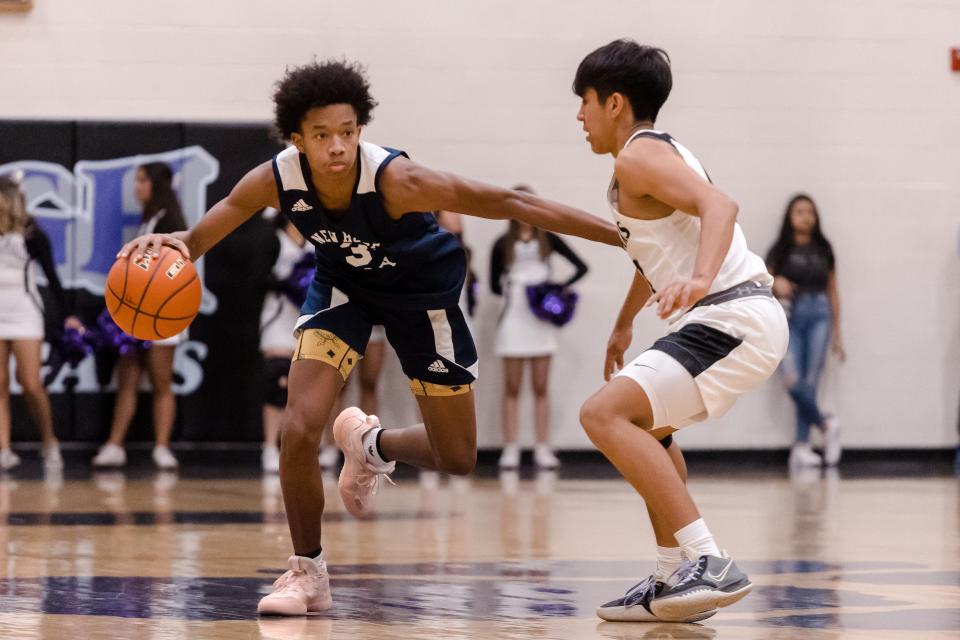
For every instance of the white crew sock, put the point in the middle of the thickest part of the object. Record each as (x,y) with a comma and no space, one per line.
(371,449)
(669,560)
(697,537)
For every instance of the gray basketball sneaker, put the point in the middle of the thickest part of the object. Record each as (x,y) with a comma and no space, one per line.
(701,586)
(634,606)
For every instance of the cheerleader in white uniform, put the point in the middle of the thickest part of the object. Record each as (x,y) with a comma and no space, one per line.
(520,259)
(161,214)
(23,245)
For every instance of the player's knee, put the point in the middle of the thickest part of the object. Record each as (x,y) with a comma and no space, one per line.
(299,434)
(460,463)
(594,417)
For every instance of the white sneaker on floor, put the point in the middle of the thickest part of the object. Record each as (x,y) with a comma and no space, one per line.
(110,455)
(52,458)
(832,449)
(164,458)
(510,457)
(544,457)
(8,459)
(270,459)
(329,457)
(802,455)
(304,588)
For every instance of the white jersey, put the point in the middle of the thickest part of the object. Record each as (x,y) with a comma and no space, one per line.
(712,354)
(665,249)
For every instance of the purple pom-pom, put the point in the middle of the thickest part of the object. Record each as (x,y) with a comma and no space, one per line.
(299,280)
(74,345)
(552,303)
(111,337)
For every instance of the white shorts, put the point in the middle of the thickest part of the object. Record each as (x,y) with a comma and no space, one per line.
(378,334)
(711,356)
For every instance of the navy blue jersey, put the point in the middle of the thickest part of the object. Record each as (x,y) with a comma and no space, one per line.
(411,263)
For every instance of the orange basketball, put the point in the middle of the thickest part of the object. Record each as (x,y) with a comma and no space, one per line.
(154,297)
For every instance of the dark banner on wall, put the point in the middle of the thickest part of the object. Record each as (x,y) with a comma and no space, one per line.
(78,179)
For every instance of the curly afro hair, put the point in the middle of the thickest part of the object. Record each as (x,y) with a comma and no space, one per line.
(320,84)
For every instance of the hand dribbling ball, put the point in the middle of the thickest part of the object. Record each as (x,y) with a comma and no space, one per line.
(155,296)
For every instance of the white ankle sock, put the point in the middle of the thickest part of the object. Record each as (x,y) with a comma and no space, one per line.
(371,449)
(668,561)
(696,536)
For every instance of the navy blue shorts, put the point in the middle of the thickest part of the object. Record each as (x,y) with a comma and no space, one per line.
(434,346)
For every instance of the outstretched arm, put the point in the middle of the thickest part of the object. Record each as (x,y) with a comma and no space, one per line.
(408,187)
(255,191)
(648,167)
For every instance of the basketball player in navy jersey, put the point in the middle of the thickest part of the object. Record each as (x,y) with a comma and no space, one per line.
(381,259)
(726,332)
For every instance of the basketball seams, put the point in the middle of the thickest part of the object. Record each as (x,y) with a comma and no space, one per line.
(165,318)
(126,276)
(136,312)
(127,313)
(173,295)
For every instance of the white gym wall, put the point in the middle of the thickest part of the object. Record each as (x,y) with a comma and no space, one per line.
(851,102)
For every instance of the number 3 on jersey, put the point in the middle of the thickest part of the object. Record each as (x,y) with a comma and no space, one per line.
(361,254)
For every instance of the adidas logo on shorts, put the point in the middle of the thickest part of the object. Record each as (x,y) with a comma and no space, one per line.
(437,367)
(300,206)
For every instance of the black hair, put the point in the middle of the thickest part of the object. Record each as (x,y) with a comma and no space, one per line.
(320,84)
(162,195)
(787,239)
(639,72)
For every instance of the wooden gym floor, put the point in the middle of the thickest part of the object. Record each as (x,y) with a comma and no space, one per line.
(146,555)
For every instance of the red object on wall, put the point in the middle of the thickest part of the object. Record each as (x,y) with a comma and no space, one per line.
(955,59)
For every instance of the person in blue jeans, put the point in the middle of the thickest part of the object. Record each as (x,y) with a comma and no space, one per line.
(805,280)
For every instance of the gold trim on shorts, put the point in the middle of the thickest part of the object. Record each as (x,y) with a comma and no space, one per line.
(421,388)
(326,346)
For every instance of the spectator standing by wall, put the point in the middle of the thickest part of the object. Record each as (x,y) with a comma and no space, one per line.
(805,280)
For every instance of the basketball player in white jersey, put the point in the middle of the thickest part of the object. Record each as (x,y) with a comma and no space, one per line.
(726,333)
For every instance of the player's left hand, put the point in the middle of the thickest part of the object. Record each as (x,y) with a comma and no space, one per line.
(681,294)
